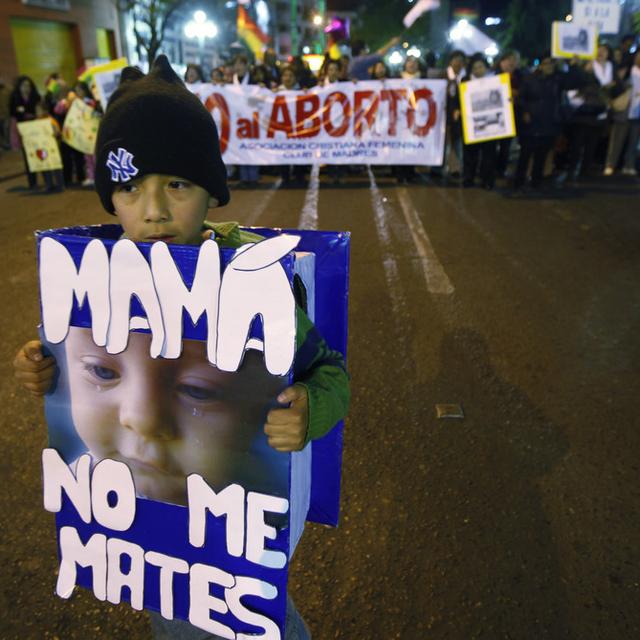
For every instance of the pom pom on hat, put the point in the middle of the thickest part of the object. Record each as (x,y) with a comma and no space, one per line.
(154,124)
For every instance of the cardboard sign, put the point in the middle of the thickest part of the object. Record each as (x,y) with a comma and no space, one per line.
(40,145)
(166,493)
(486,105)
(104,79)
(371,122)
(570,39)
(604,15)
(81,127)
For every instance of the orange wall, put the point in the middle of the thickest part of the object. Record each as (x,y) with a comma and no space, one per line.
(86,15)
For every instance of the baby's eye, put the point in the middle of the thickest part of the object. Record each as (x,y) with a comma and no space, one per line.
(203,394)
(102,373)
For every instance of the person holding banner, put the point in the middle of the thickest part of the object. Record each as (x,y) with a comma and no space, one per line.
(161,189)
(22,107)
(479,155)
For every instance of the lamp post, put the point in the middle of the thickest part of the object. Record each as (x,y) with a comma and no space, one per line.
(200,28)
(294,27)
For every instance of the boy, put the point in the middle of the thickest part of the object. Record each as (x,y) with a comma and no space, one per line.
(159,170)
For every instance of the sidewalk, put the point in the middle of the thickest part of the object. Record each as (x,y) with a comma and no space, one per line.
(11,165)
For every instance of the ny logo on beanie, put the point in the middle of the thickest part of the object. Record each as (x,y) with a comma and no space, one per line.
(120,165)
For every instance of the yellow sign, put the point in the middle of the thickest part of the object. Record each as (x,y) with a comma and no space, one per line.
(486,105)
(571,39)
(81,127)
(40,145)
(104,78)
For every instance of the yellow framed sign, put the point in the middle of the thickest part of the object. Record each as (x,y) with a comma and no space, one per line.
(81,127)
(104,79)
(486,105)
(571,39)
(40,145)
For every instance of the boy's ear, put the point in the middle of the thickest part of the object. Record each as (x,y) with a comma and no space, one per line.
(213,202)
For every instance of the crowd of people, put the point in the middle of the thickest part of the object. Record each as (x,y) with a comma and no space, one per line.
(25,103)
(574,119)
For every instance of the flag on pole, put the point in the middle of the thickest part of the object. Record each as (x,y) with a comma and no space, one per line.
(420,7)
(251,33)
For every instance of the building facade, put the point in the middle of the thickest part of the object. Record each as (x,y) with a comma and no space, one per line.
(39,37)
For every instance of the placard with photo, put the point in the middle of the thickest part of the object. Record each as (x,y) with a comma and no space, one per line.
(487,109)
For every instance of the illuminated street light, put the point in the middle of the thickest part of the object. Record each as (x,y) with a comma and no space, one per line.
(200,27)
(317,20)
(568,18)
(491,51)
(460,30)
(492,22)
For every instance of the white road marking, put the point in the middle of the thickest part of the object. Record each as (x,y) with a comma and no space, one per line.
(309,214)
(384,237)
(437,280)
(255,215)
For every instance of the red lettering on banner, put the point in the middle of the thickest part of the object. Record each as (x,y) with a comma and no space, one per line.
(306,107)
(332,98)
(244,128)
(393,96)
(414,98)
(280,119)
(217,101)
(368,114)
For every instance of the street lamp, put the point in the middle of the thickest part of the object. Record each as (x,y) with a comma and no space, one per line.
(200,29)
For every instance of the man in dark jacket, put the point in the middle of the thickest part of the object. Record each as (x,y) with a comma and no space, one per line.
(541,115)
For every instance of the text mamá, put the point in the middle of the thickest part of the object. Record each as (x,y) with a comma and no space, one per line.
(253,283)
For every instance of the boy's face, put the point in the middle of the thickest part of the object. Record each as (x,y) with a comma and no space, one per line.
(166,419)
(157,207)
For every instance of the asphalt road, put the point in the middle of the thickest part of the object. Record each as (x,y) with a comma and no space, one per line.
(519,521)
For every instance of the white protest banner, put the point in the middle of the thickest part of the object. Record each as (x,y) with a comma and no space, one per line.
(604,15)
(40,145)
(81,127)
(487,109)
(570,39)
(372,122)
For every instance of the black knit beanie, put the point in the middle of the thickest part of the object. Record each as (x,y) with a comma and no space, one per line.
(154,124)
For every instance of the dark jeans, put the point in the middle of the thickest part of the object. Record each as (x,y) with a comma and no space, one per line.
(482,156)
(72,163)
(583,143)
(53,179)
(538,147)
(502,162)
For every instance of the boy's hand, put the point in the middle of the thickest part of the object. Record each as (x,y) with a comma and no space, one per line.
(33,370)
(286,429)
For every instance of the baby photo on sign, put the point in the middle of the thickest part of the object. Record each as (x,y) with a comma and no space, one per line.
(487,109)
(166,418)
(485,100)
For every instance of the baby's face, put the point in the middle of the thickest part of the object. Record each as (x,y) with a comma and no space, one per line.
(167,419)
